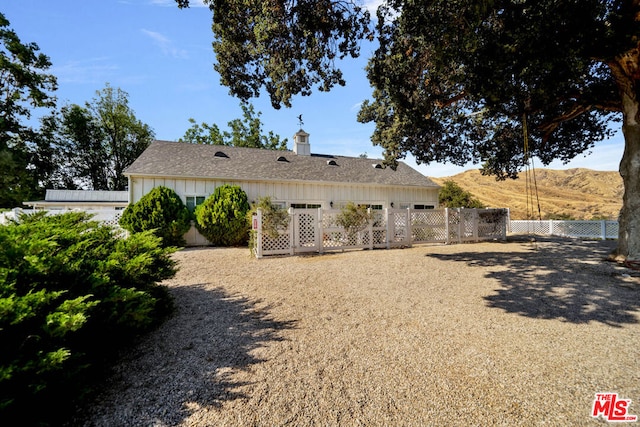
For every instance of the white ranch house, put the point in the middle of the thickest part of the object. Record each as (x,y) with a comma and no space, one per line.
(297,179)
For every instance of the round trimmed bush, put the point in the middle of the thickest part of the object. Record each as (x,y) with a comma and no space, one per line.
(160,210)
(222,218)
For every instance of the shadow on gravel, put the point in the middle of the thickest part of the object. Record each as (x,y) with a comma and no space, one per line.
(562,279)
(188,362)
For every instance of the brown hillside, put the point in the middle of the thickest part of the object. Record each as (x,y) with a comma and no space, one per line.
(574,193)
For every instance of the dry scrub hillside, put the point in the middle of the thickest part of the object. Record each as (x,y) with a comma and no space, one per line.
(571,193)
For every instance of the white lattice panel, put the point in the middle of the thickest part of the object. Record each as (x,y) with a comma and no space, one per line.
(611,229)
(429,217)
(306,229)
(492,223)
(333,239)
(578,228)
(379,238)
(329,218)
(428,226)
(585,229)
(399,219)
(467,217)
(400,227)
(530,227)
(379,219)
(279,244)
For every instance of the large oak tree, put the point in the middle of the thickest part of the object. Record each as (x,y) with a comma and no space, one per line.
(492,81)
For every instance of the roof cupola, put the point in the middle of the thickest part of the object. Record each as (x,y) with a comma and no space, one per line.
(301,144)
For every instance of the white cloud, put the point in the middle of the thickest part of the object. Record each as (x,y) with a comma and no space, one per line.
(91,70)
(166,45)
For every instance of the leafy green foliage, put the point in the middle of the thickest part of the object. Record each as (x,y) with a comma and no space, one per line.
(354,218)
(287,47)
(451,195)
(24,86)
(162,211)
(245,132)
(71,294)
(222,218)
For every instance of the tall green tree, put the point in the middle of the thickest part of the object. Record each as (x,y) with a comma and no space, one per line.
(97,141)
(24,86)
(493,81)
(82,146)
(244,132)
(126,137)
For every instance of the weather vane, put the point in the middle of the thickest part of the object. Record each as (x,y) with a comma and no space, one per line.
(300,122)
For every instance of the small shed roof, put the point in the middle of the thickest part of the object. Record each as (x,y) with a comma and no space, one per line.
(86,196)
(186,160)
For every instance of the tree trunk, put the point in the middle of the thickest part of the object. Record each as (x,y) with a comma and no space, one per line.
(629,232)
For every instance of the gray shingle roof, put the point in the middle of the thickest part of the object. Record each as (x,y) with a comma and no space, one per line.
(185,160)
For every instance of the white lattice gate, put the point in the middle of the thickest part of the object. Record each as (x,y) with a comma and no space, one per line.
(306,235)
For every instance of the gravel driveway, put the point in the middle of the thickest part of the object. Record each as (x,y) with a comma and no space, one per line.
(499,333)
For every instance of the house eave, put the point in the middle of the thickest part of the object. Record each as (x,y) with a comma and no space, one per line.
(280,181)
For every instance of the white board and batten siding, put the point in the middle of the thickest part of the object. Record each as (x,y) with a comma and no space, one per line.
(288,193)
(294,192)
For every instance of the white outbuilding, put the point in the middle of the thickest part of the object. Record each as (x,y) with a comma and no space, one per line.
(297,178)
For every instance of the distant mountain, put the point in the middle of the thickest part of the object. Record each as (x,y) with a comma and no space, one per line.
(571,193)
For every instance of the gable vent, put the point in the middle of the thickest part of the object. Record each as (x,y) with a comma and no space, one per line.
(282,159)
(377,165)
(332,163)
(221,154)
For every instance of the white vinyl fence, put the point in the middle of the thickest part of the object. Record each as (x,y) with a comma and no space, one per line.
(584,229)
(317,230)
(106,216)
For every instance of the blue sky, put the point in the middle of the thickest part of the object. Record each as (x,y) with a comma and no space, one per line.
(162,57)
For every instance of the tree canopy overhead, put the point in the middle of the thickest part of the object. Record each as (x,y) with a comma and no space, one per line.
(490,81)
(285,47)
(457,81)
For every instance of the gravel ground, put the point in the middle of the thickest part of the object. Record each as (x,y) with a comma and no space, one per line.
(499,333)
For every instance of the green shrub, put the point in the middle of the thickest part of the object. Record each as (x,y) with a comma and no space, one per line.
(160,210)
(72,294)
(222,218)
(274,220)
(451,195)
(353,218)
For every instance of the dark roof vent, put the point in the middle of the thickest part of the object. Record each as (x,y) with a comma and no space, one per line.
(221,154)
(332,163)
(377,165)
(282,159)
